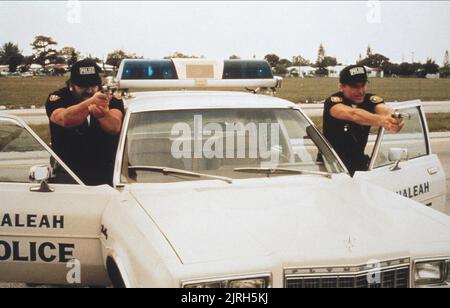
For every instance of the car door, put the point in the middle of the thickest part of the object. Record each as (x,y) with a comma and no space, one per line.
(46,237)
(420,175)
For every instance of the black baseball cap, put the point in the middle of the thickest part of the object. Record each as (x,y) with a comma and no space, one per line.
(353,74)
(86,73)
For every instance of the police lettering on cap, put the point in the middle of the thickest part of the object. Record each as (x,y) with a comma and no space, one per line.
(353,74)
(86,73)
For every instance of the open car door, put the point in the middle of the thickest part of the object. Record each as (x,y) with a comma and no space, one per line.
(47,232)
(404,163)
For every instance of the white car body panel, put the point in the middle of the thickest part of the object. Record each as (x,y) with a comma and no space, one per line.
(267,214)
(420,178)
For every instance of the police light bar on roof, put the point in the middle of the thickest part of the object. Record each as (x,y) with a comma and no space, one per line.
(195,73)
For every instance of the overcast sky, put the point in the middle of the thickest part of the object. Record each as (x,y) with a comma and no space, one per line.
(218,29)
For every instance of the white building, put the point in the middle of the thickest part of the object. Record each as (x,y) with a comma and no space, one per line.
(35,68)
(302,71)
(334,71)
(433,76)
(4,68)
(375,72)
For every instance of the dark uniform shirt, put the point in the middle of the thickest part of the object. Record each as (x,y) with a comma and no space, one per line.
(86,149)
(349,139)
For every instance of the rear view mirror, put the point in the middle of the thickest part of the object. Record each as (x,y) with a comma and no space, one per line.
(397,155)
(41,174)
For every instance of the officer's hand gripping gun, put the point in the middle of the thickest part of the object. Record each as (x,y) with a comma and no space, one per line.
(401,116)
(112,88)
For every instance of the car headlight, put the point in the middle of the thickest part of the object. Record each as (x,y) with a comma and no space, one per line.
(432,272)
(237,283)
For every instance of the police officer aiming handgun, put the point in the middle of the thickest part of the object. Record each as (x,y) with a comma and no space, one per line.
(85,124)
(349,114)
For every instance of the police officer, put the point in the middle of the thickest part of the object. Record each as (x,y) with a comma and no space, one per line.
(349,114)
(85,124)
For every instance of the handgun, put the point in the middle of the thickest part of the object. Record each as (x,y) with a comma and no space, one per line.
(401,115)
(111,88)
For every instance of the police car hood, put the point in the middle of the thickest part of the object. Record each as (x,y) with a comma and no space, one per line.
(290,218)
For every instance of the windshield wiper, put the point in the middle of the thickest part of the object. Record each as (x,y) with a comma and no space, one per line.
(167,170)
(270,171)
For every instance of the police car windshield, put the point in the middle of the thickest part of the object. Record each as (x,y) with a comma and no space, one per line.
(220,141)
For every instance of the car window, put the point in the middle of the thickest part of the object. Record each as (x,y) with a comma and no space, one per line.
(218,141)
(19,151)
(412,137)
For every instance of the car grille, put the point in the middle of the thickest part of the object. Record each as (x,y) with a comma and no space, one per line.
(387,276)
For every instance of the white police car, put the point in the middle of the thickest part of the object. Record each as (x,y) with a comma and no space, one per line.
(223,189)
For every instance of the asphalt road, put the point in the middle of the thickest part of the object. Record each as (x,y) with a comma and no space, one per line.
(440,147)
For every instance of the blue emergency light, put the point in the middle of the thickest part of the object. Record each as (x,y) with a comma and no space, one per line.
(195,73)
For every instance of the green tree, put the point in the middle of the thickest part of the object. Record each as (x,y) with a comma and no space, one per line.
(11,55)
(321,71)
(116,57)
(409,69)
(28,60)
(74,56)
(375,61)
(323,62)
(390,69)
(320,55)
(369,52)
(360,58)
(70,54)
(445,69)
(444,72)
(329,61)
(7,51)
(273,59)
(285,63)
(280,70)
(430,67)
(44,52)
(300,61)
(446,59)
(14,62)
(95,59)
(60,60)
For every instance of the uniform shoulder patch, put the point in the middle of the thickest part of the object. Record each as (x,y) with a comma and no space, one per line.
(54,98)
(336,99)
(376,99)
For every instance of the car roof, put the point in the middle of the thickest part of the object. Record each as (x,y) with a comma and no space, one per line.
(182,100)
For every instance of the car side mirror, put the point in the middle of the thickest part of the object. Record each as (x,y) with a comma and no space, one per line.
(41,174)
(397,155)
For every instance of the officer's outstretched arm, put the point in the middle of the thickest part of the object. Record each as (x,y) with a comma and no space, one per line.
(111,123)
(383,109)
(72,116)
(362,117)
